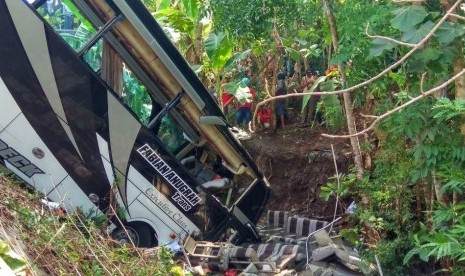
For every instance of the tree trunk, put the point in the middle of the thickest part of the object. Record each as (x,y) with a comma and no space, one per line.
(437,187)
(458,65)
(427,196)
(459,62)
(277,58)
(347,99)
(418,203)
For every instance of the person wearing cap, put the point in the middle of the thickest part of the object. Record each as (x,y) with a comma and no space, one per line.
(244,110)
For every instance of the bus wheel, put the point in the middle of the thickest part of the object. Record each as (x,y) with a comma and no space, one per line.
(137,232)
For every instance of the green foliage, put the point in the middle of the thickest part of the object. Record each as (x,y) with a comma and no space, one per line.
(177,19)
(389,214)
(445,109)
(136,96)
(407,17)
(236,58)
(219,48)
(70,244)
(311,89)
(415,35)
(239,90)
(378,46)
(15,262)
(333,188)
(432,129)
(449,31)
(447,243)
(390,254)
(333,115)
(251,20)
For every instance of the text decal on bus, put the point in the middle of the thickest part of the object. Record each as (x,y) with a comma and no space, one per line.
(20,162)
(184,193)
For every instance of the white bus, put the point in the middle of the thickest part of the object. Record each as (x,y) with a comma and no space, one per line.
(66,127)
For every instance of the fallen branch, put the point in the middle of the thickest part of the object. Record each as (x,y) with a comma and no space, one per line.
(388,38)
(400,107)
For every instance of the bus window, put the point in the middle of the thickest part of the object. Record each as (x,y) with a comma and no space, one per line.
(136,97)
(171,135)
(67,21)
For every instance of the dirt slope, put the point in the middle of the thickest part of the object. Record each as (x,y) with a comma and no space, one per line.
(297,162)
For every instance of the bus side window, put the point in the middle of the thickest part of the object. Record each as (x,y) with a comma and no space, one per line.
(66,19)
(136,96)
(69,23)
(171,135)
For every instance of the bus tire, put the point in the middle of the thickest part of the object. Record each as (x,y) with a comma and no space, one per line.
(139,232)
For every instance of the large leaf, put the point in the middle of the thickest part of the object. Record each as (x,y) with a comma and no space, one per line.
(177,19)
(406,18)
(213,42)
(243,94)
(164,4)
(239,91)
(219,49)
(449,31)
(192,8)
(416,35)
(329,85)
(429,54)
(306,98)
(378,46)
(237,57)
(302,42)
(294,54)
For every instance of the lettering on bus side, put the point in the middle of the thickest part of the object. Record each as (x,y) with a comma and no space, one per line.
(160,202)
(185,197)
(18,161)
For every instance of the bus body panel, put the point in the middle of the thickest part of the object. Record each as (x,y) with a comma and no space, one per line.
(65,132)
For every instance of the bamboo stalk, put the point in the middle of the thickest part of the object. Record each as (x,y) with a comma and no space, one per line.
(170,86)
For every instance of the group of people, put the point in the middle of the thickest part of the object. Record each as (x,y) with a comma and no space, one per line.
(243,109)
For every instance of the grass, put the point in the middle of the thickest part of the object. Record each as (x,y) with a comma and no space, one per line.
(63,244)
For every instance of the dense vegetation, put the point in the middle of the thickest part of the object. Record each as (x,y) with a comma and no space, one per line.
(67,244)
(409,186)
(400,61)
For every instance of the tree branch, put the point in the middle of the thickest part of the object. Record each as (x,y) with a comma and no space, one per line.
(389,39)
(381,74)
(457,16)
(400,107)
(422,82)
(385,71)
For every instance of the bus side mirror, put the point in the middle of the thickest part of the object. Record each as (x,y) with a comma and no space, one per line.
(213,120)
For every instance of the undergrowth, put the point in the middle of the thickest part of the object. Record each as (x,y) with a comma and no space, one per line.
(68,244)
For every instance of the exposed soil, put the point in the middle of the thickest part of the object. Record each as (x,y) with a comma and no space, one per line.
(297,162)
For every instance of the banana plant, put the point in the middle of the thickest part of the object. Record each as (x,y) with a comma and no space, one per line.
(190,24)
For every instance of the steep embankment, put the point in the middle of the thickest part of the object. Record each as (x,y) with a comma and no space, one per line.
(56,243)
(297,163)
